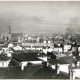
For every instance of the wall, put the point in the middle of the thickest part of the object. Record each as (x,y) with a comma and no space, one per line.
(62,67)
(47,50)
(4,63)
(77,73)
(67,47)
(58,49)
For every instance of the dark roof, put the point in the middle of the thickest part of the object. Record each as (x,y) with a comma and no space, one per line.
(63,60)
(75,67)
(25,57)
(3,58)
(73,45)
(57,46)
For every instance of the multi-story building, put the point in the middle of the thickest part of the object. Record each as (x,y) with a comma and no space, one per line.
(67,47)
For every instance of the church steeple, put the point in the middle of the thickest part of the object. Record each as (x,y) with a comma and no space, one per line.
(9,35)
(9,29)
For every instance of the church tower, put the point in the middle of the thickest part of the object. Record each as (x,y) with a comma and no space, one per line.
(9,34)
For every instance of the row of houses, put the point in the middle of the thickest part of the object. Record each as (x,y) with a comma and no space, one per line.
(66,48)
(63,62)
(45,46)
(66,64)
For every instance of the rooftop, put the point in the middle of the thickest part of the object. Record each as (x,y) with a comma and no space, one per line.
(25,57)
(3,58)
(63,60)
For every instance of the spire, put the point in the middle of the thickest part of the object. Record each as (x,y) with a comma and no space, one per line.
(9,29)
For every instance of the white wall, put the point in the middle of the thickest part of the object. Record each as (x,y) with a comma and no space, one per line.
(77,73)
(58,49)
(79,49)
(62,67)
(47,50)
(4,64)
(66,47)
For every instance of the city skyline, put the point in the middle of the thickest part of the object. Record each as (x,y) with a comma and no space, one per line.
(39,17)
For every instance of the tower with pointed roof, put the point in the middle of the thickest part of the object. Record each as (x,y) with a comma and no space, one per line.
(9,34)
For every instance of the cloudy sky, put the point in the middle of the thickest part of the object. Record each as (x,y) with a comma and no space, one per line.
(39,17)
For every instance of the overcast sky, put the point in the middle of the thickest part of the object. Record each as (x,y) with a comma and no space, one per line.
(38,17)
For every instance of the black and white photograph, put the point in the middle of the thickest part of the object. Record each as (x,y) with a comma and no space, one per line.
(40,40)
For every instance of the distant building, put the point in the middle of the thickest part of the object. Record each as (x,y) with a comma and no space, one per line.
(38,46)
(10,45)
(17,48)
(15,37)
(74,47)
(4,61)
(38,40)
(58,49)
(67,47)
